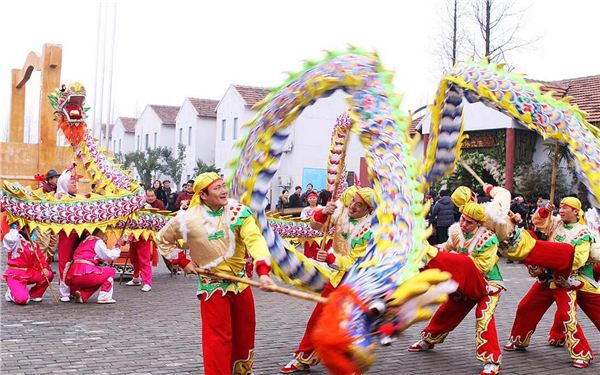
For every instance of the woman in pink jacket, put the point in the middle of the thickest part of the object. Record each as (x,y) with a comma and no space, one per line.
(25,265)
(85,276)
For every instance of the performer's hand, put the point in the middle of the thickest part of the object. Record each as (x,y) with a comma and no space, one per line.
(190,268)
(321,255)
(487,186)
(515,217)
(266,283)
(330,208)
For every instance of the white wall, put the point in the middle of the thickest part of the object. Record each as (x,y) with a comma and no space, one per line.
(127,139)
(477,116)
(202,142)
(148,124)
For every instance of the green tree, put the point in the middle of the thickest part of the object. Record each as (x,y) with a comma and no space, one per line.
(173,164)
(148,163)
(202,167)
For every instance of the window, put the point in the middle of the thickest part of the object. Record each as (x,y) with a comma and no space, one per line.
(180,135)
(190,136)
(223,125)
(235,128)
(147,141)
(138,142)
(155,139)
(119,146)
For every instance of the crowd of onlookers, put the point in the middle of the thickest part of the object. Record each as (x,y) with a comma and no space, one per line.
(444,213)
(163,197)
(299,199)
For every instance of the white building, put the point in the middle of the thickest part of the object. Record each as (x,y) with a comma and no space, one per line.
(309,142)
(123,135)
(195,128)
(156,127)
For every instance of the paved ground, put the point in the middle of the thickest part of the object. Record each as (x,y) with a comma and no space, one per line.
(159,333)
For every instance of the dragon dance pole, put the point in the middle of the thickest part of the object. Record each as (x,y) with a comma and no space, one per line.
(554,173)
(273,288)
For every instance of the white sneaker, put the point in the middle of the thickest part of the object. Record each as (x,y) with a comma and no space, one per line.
(136,281)
(65,299)
(106,301)
(39,299)
(7,296)
(146,288)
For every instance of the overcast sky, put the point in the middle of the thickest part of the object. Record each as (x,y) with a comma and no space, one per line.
(167,50)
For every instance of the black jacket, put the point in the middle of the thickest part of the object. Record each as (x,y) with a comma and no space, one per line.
(443,212)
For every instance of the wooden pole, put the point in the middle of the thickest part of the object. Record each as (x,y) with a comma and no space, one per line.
(471,171)
(554,173)
(274,288)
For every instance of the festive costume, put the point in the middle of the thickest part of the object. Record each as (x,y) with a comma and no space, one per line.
(140,253)
(544,292)
(481,247)
(350,240)
(515,243)
(24,267)
(83,274)
(221,240)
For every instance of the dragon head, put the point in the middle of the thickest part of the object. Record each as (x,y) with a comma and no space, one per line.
(68,103)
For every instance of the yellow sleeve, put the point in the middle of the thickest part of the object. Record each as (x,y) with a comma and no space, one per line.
(344,262)
(167,238)
(253,240)
(582,253)
(486,259)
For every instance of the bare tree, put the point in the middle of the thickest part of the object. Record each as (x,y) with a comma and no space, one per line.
(453,33)
(498,23)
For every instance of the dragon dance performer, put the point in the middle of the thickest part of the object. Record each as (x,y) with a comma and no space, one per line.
(24,267)
(351,216)
(588,297)
(516,243)
(220,233)
(66,186)
(84,276)
(545,291)
(472,238)
(48,240)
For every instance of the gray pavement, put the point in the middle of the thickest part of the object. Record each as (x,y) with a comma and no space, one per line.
(159,333)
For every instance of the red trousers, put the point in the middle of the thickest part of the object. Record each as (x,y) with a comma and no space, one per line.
(228,324)
(89,283)
(531,309)
(451,313)
(306,350)
(590,305)
(140,253)
(471,283)
(66,247)
(556,256)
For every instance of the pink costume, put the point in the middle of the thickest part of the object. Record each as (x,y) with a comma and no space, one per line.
(85,276)
(140,253)
(23,268)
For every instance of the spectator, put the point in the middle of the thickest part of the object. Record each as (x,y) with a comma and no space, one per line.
(296,198)
(160,194)
(312,197)
(309,188)
(284,200)
(442,216)
(153,200)
(518,206)
(324,197)
(171,195)
(184,198)
(49,186)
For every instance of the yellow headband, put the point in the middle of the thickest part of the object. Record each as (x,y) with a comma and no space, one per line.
(576,204)
(474,211)
(347,195)
(461,196)
(201,182)
(367,195)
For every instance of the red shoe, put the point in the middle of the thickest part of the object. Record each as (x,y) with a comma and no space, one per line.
(581,363)
(420,346)
(294,366)
(512,347)
(490,369)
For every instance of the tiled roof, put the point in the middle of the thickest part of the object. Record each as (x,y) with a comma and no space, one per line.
(166,113)
(205,107)
(252,95)
(585,92)
(413,125)
(128,124)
